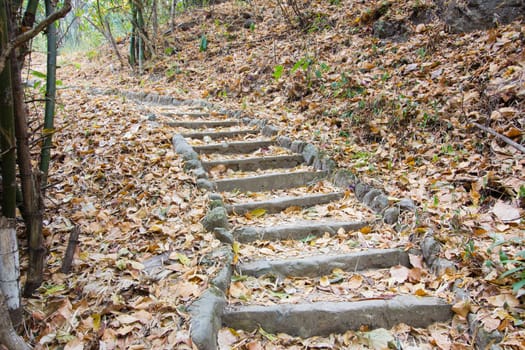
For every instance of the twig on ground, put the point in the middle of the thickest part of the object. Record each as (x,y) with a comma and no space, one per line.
(501,137)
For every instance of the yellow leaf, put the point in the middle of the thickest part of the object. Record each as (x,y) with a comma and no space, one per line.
(48,131)
(258,212)
(420,292)
(183,259)
(324,281)
(365,230)
(155,229)
(96,321)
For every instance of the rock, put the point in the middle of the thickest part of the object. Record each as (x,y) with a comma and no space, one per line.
(464,16)
(361,189)
(270,130)
(310,153)
(223,235)
(328,164)
(482,338)
(297,146)
(370,196)
(192,164)
(430,248)
(387,29)
(206,184)
(379,203)
(284,141)
(214,196)
(391,215)
(249,23)
(217,217)
(441,266)
(215,203)
(200,173)
(206,313)
(407,204)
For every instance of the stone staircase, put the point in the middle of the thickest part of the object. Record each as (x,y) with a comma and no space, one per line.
(267,190)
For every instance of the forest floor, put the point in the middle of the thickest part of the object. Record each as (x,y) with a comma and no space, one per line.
(399,112)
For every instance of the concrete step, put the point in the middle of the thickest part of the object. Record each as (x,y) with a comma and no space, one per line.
(186,114)
(297,230)
(257,163)
(279,204)
(238,147)
(323,318)
(220,134)
(204,124)
(269,182)
(320,265)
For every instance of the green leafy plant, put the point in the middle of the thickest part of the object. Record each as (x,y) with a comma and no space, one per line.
(203,44)
(278,72)
(515,265)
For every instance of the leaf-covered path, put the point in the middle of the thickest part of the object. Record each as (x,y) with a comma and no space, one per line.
(397,113)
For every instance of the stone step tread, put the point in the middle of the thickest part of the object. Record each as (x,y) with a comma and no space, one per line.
(255,163)
(220,134)
(269,181)
(186,114)
(203,124)
(234,146)
(320,265)
(295,231)
(279,204)
(323,318)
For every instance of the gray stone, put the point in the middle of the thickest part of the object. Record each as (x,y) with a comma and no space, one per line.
(214,196)
(284,141)
(310,153)
(387,29)
(482,338)
(203,124)
(206,184)
(441,266)
(391,215)
(200,173)
(270,181)
(217,217)
(276,205)
(225,256)
(206,320)
(215,203)
(320,265)
(246,120)
(379,203)
(464,16)
(182,147)
(344,179)
(407,204)
(431,249)
(269,130)
(297,146)
(297,230)
(361,189)
(323,318)
(369,197)
(223,235)
(192,164)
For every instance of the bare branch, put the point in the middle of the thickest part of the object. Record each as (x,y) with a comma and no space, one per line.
(501,137)
(30,34)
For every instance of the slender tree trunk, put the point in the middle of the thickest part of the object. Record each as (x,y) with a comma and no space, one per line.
(10,268)
(32,204)
(49,116)
(7,130)
(133,39)
(8,336)
(172,15)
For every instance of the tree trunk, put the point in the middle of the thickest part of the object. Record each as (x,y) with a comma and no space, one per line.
(7,135)
(49,129)
(10,268)
(32,204)
(8,336)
